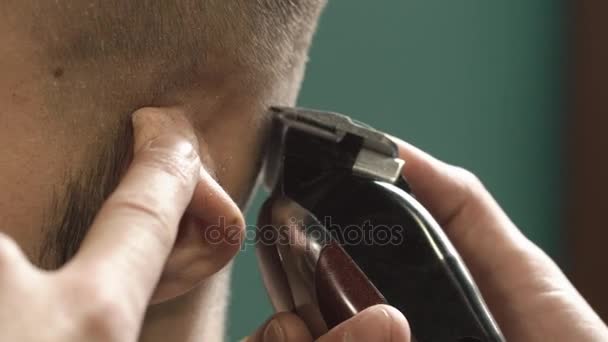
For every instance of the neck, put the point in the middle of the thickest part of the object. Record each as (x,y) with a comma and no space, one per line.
(196,316)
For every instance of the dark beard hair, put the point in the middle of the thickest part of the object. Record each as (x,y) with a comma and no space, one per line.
(76,204)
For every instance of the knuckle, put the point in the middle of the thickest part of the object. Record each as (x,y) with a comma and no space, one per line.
(469,180)
(174,157)
(102,315)
(150,209)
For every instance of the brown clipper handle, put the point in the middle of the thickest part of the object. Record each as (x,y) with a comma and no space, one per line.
(342,288)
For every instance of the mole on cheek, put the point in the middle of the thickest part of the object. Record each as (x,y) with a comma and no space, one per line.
(58,72)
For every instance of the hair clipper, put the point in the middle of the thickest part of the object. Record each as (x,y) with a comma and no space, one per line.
(341,231)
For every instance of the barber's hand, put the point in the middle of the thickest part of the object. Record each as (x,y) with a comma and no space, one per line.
(380,323)
(528,294)
(103,292)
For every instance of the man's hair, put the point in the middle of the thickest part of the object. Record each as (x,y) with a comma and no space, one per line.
(75,205)
(181,37)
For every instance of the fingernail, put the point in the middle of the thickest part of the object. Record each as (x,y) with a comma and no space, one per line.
(273,332)
(157,128)
(146,127)
(372,325)
(379,323)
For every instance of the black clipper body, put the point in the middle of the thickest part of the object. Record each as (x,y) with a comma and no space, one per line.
(341,232)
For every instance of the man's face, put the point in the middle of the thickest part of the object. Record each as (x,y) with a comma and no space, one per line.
(74,71)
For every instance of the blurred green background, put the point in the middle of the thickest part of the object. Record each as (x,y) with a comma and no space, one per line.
(476,83)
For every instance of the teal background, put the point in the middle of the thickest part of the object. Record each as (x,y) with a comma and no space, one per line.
(476,83)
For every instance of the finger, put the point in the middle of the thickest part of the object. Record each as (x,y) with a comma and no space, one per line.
(282,327)
(509,269)
(210,236)
(482,233)
(134,231)
(517,278)
(221,217)
(378,323)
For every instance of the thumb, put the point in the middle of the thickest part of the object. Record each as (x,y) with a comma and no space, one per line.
(522,285)
(487,240)
(377,323)
(282,327)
